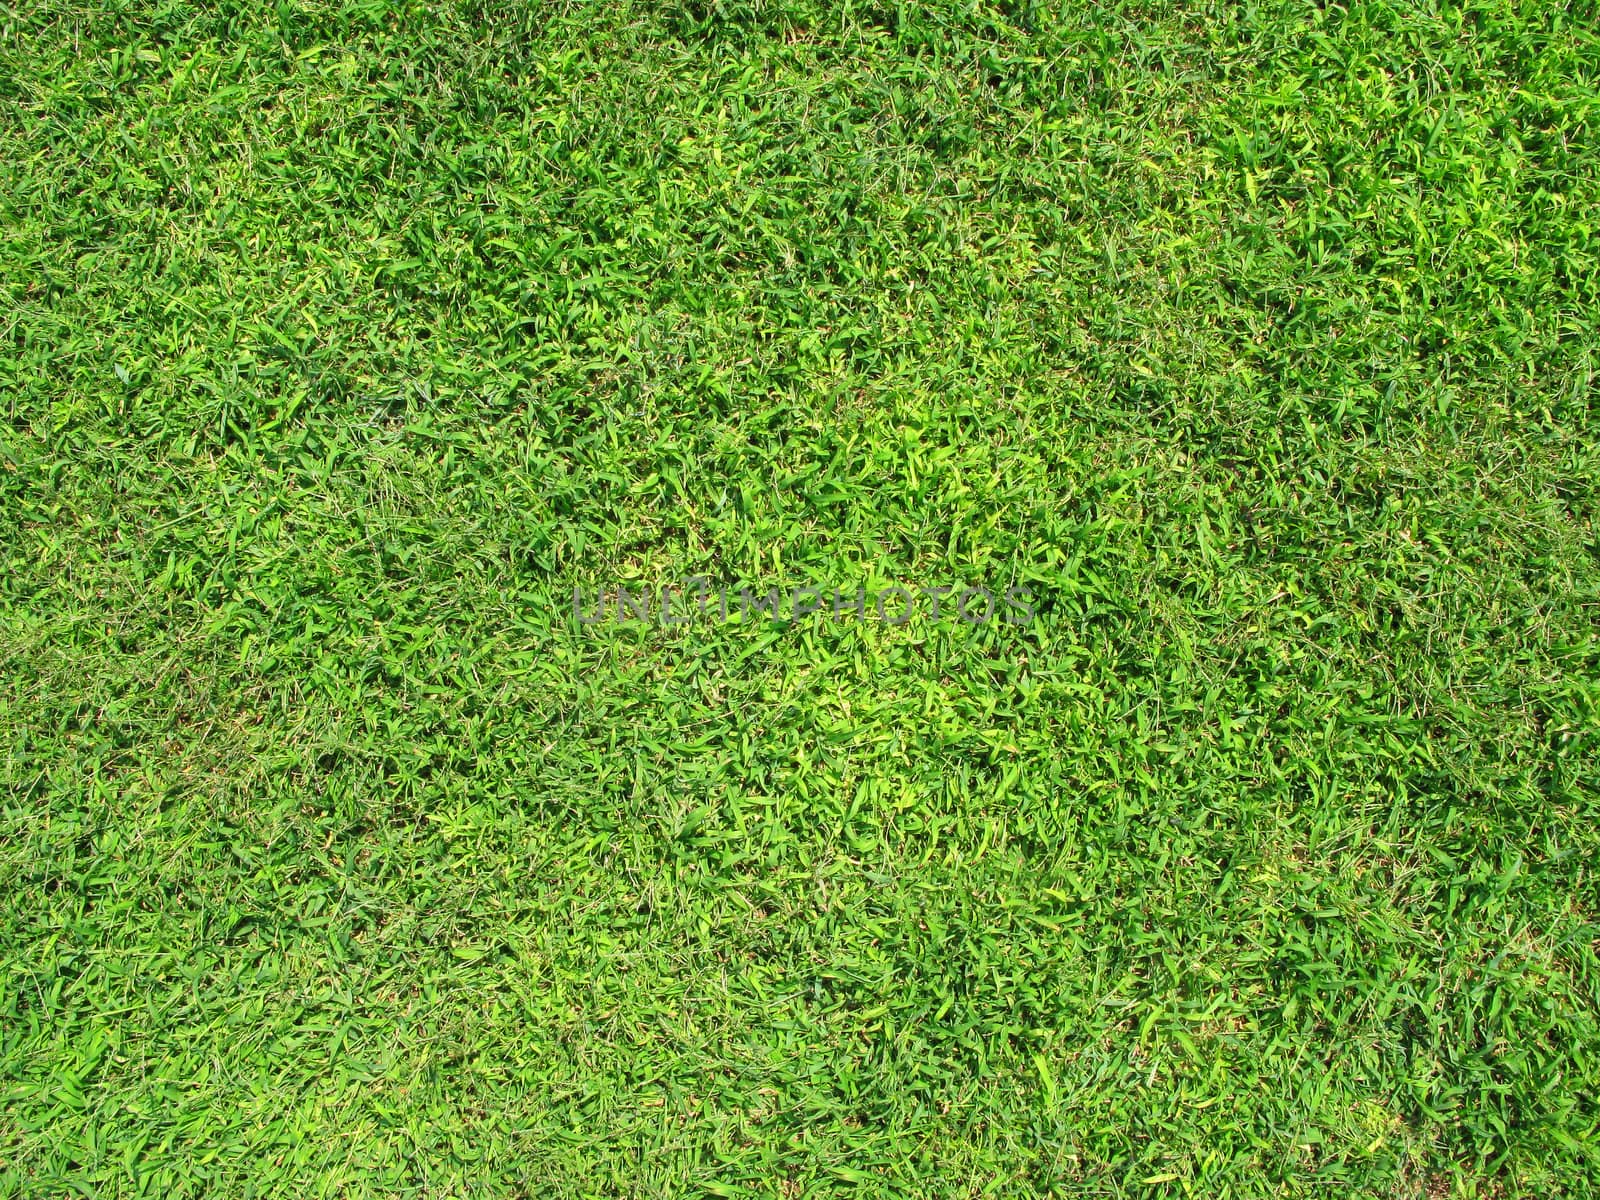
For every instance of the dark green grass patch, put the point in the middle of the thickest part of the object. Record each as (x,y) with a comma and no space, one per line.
(340,343)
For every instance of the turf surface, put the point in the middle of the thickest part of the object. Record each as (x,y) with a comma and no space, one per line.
(341,342)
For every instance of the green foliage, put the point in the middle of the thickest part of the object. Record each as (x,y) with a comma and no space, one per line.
(341,341)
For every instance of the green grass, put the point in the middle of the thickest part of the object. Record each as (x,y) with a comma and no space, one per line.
(341,341)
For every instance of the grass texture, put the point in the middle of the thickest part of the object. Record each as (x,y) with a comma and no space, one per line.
(341,341)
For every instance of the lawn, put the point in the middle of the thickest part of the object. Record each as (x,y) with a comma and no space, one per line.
(369,370)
